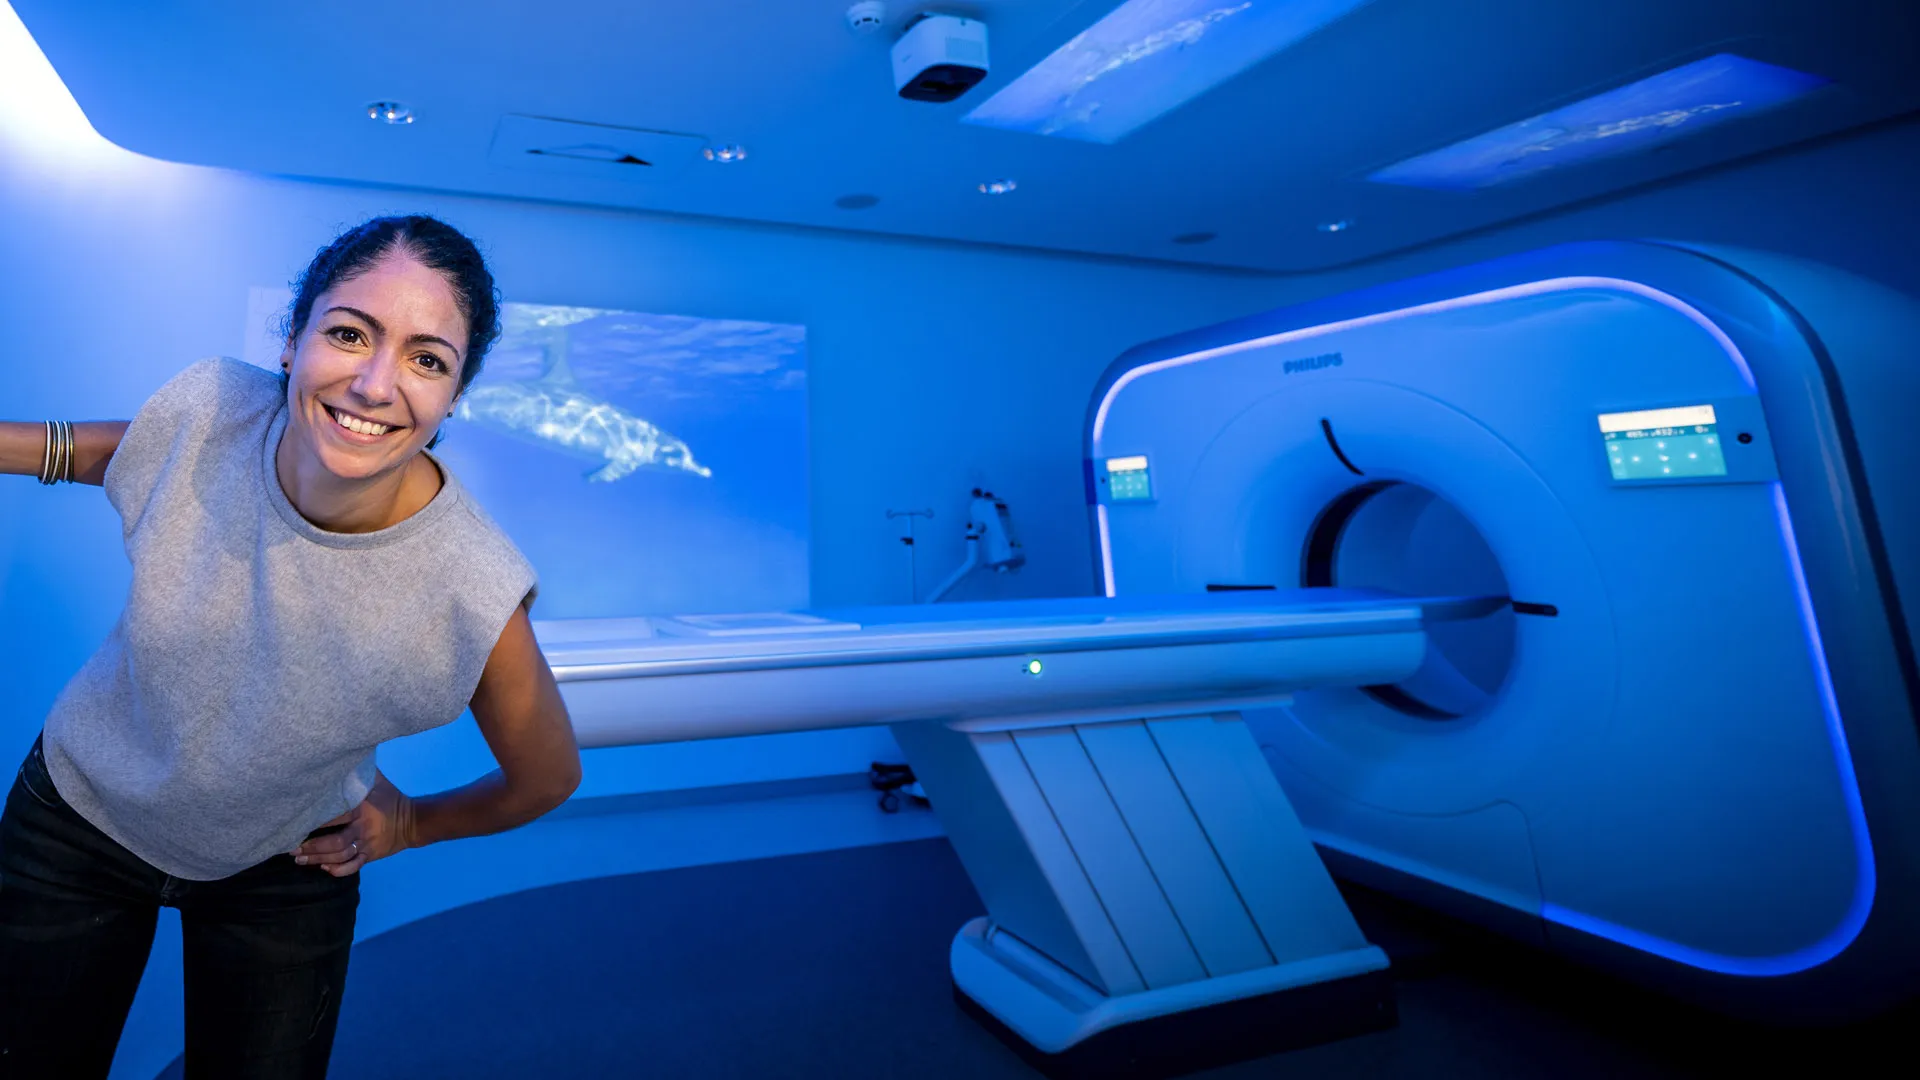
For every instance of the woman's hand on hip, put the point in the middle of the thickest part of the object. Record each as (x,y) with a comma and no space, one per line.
(380,826)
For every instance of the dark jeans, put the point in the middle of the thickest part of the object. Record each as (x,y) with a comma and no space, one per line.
(265,950)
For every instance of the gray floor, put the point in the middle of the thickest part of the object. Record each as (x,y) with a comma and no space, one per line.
(834,965)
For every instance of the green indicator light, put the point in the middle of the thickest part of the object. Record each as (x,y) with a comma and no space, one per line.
(1033,667)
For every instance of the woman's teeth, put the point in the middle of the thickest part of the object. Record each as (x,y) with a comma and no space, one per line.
(357,425)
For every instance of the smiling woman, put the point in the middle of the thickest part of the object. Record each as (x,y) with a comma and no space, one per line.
(308,582)
(407,287)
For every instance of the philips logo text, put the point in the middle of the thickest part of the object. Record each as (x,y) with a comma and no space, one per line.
(1313,363)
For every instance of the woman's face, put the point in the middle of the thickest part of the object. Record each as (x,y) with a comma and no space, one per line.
(376,369)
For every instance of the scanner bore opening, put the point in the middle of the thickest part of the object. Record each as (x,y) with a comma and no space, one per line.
(1403,538)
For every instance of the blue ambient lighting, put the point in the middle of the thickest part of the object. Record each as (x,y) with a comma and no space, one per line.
(1632,117)
(37,114)
(1148,57)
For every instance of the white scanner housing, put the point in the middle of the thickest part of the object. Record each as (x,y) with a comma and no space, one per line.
(1688,750)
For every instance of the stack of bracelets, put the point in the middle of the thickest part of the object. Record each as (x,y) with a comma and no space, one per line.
(56,463)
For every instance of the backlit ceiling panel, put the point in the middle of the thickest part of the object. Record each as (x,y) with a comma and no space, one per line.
(1147,58)
(1666,106)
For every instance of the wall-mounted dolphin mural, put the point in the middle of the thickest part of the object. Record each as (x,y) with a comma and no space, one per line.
(555,411)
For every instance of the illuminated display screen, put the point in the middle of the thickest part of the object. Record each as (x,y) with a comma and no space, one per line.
(1663,444)
(1127,478)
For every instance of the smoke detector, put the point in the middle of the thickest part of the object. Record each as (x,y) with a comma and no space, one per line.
(867,17)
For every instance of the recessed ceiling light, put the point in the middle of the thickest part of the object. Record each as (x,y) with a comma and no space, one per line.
(391,112)
(1194,237)
(856,202)
(997,187)
(1341,225)
(726,155)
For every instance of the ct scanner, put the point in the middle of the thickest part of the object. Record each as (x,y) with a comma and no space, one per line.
(1689,750)
(1562,592)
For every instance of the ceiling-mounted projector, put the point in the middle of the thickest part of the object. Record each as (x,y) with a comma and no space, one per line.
(940,57)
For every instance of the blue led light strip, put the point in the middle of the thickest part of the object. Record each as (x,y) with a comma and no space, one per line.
(1866,875)
(1866,882)
(1512,292)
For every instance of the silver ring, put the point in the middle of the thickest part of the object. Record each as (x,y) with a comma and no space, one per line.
(356,846)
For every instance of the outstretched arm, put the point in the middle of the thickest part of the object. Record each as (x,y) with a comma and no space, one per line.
(23,448)
(526,726)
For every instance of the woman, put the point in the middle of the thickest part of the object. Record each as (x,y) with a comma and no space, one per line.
(307,584)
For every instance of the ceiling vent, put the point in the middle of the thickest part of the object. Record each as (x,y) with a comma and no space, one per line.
(591,150)
(612,155)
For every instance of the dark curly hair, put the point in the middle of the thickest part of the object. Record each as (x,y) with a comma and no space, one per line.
(436,245)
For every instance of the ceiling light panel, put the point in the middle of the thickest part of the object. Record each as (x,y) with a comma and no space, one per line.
(1147,58)
(1654,110)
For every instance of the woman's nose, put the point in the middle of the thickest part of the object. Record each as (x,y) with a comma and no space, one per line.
(378,374)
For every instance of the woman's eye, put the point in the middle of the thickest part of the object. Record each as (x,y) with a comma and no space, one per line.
(432,363)
(347,335)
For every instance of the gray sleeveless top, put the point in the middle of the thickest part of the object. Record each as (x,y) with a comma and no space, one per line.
(260,659)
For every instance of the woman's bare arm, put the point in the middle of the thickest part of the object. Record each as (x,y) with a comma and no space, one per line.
(23,448)
(526,726)
(525,723)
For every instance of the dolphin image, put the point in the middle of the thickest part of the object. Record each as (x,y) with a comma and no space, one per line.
(555,412)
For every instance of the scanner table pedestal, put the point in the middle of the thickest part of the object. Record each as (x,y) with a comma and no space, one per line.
(1154,905)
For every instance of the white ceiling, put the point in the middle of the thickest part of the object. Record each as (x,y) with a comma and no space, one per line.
(1260,160)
